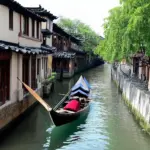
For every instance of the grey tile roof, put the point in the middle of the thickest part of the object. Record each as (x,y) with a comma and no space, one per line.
(64,55)
(42,11)
(24,50)
(20,9)
(78,51)
(46,32)
(49,48)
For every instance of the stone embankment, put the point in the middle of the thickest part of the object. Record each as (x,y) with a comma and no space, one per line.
(135,93)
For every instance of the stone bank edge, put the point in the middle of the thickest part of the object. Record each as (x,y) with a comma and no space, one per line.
(137,100)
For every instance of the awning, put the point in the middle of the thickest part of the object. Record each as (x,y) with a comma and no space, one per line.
(78,93)
(82,85)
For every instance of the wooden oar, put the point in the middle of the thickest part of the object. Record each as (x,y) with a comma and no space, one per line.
(36,96)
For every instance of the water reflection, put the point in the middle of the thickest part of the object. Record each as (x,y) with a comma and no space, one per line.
(108,126)
(59,136)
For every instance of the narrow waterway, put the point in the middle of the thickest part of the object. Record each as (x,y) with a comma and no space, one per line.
(108,126)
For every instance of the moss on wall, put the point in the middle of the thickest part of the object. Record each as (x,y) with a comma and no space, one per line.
(138,117)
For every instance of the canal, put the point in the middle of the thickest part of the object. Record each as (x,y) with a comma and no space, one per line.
(108,126)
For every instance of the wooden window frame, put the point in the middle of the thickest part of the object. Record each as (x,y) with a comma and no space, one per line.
(26,26)
(25,70)
(4,76)
(33,28)
(38,66)
(44,40)
(11,19)
(37,29)
(33,73)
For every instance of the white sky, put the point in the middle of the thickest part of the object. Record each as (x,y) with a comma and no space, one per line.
(91,12)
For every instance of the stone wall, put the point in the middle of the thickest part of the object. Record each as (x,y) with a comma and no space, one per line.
(134,92)
(11,110)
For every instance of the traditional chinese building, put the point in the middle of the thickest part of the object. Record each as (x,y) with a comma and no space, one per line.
(47,30)
(68,57)
(141,67)
(21,55)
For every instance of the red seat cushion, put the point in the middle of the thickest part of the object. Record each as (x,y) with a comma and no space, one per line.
(73,105)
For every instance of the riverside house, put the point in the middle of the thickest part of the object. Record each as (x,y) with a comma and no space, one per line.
(68,58)
(21,55)
(47,29)
(141,67)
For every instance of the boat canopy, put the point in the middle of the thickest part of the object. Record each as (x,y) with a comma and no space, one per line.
(80,87)
(81,84)
(87,83)
(79,93)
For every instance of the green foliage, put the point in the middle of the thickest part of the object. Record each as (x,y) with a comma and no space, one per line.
(52,76)
(126,30)
(78,29)
(54,73)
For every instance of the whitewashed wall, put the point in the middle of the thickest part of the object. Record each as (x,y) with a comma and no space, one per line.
(140,99)
(13,35)
(49,41)
(5,33)
(23,41)
(29,40)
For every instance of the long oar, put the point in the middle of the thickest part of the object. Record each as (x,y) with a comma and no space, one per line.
(36,96)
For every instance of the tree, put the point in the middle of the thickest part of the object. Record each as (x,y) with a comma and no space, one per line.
(126,30)
(78,29)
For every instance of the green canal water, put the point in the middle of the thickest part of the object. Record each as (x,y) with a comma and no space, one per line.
(108,126)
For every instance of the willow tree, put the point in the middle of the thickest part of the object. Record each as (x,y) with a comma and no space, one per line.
(126,29)
(80,30)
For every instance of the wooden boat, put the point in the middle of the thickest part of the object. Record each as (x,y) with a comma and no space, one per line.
(59,115)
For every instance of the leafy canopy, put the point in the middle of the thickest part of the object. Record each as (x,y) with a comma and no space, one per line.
(78,29)
(126,30)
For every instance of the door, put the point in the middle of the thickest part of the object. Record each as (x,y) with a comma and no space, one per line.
(4,80)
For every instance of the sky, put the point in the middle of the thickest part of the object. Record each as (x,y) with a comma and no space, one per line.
(91,12)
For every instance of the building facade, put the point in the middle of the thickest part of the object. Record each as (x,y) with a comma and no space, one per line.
(66,59)
(21,55)
(29,43)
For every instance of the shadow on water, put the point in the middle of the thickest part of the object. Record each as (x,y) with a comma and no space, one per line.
(57,136)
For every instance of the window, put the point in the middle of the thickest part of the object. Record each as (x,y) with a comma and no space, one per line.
(33,73)
(38,66)
(37,30)
(47,24)
(25,73)
(10,19)
(26,26)
(33,28)
(44,40)
(4,80)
